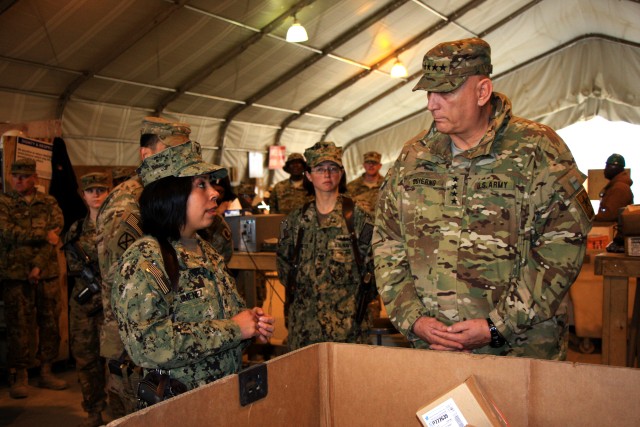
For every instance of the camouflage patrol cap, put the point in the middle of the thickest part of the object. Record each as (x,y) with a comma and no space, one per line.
(293,157)
(182,160)
(616,159)
(246,189)
(168,132)
(322,152)
(94,180)
(23,167)
(448,65)
(372,156)
(121,172)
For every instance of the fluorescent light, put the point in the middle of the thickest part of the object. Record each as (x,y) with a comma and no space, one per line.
(296,32)
(398,70)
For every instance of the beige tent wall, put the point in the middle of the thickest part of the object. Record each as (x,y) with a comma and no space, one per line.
(98,134)
(576,83)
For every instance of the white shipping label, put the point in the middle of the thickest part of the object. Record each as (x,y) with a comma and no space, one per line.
(446,414)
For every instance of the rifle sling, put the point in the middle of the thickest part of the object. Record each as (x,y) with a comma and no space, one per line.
(347,213)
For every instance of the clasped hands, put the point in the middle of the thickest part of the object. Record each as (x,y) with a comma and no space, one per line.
(462,336)
(255,323)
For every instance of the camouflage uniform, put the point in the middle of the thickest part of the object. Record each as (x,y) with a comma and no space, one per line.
(367,196)
(189,331)
(186,327)
(23,233)
(286,197)
(117,227)
(322,292)
(497,231)
(85,320)
(327,280)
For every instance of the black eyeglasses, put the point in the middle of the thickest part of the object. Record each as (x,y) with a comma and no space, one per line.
(321,170)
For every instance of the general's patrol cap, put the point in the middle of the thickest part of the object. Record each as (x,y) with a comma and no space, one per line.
(23,167)
(182,160)
(94,180)
(616,159)
(168,132)
(372,156)
(448,65)
(293,157)
(322,152)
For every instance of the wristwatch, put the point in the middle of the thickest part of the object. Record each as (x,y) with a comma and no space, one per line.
(497,340)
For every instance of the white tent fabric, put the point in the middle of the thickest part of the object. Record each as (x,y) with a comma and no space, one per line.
(580,88)
(224,67)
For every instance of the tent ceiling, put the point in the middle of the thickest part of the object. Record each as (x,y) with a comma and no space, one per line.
(223,64)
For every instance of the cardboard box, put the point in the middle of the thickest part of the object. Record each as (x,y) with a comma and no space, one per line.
(466,404)
(348,385)
(630,218)
(632,246)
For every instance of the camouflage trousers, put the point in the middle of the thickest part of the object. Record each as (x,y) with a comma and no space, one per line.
(122,392)
(24,302)
(85,347)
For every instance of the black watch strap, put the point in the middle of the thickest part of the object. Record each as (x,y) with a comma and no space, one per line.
(497,340)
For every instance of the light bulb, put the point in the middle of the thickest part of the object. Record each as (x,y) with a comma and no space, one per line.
(398,70)
(296,33)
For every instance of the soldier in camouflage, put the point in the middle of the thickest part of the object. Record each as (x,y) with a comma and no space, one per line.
(30,224)
(290,194)
(117,226)
(482,221)
(366,187)
(316,261)
(85,304)
(121,174)
(177,307)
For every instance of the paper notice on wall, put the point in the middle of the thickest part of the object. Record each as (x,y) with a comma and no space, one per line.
(276,157)
(40,151)
(256,168)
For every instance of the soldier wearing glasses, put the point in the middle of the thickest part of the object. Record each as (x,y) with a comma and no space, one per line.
(316,259)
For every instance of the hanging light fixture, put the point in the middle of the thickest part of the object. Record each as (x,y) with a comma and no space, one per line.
(398,70)
(296,32)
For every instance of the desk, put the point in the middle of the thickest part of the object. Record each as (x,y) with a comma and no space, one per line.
(616,269)
(248,263)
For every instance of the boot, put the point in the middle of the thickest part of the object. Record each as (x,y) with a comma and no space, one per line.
(93,420)
(48,380)
(20,384)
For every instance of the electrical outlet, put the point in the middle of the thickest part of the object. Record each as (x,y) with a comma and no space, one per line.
(253,384)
